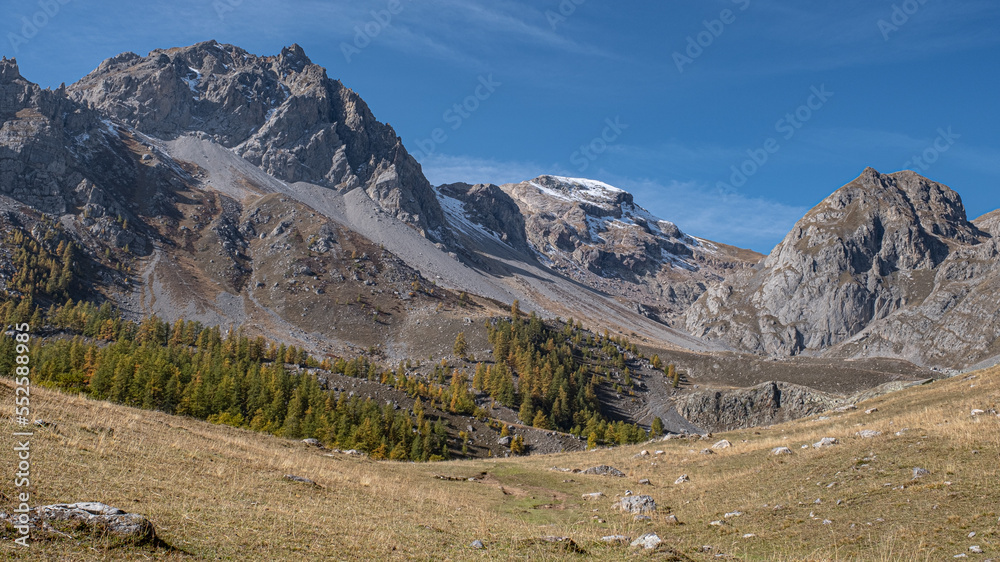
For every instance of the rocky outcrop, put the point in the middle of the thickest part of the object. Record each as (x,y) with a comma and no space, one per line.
(52,149)
(596,234)
(59,157)
(958,324)
(95,518)
(886,266)
(765,404)
(605,470)
(281,113)
(486,208)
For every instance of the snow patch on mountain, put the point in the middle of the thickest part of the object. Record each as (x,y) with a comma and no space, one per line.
(458,218)
(579,190)
(590,187)
(193,83)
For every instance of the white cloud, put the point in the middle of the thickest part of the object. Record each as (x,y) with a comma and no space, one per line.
(457,31)
(502,22)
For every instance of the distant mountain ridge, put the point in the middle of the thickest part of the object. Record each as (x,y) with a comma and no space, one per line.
(597,234)
(594,233)
(257,189)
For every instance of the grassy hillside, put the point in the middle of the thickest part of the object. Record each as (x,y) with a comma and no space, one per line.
(218,492)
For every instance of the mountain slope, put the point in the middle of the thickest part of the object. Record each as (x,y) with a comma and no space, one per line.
(886,266)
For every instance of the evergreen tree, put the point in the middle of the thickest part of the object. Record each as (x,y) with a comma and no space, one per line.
(517,446)
(460,348)
(527,412)
(656,428)
(540,421)
(673,375)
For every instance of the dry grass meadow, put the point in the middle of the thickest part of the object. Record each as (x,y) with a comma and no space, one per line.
(215,492)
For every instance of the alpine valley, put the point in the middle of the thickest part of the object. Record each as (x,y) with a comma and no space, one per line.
(236,238)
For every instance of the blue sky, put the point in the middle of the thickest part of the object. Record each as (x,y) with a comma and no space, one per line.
(662,98)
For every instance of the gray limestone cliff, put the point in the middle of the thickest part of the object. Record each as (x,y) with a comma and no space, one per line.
(888,265)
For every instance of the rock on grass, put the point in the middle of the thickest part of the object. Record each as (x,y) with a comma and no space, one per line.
(649,541)
(605,470)
(97,518)
(301,480)
(636,504)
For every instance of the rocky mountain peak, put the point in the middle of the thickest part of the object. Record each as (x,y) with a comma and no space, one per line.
(294,58)
(865,252)
(8,70)
(592,212)
(990,222)
(908,195)
(593,198)
(282,113)
(887,221)
(57,155)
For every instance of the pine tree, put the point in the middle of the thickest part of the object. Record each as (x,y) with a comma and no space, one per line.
(656,428)
(673,375)
(417,448)
(517,446)
(503,386)
(479,379)
(418,411)
(460,348)
(461,401)
(527,412)
(398,453)
(66,275)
